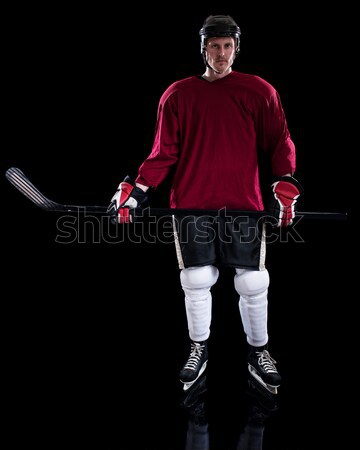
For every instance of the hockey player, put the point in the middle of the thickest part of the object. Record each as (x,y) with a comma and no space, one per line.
(209,129)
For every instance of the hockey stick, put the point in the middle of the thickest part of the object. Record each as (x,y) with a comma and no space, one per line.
(26,187)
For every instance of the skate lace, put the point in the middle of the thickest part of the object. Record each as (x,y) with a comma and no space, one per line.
(266,361)
(195,356)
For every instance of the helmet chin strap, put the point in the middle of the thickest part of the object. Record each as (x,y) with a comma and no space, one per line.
(208,65)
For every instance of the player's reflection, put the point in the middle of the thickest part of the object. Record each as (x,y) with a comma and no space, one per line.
(195,403)
(261,405)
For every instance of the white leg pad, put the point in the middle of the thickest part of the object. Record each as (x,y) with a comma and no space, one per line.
(196,283)
(252,286)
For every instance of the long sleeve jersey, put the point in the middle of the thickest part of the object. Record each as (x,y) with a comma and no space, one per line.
(210,134)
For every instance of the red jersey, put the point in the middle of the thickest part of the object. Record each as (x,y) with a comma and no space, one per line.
(212,132)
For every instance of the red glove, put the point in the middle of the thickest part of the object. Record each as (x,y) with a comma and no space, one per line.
(286,192)
(127,197)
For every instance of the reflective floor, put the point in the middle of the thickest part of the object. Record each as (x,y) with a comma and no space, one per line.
(257,407)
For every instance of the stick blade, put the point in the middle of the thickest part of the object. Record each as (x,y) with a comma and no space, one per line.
(24,185)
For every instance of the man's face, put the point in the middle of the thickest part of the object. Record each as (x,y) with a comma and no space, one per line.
(220,53)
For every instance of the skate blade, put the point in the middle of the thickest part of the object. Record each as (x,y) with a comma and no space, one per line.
(269,387)
(189,384)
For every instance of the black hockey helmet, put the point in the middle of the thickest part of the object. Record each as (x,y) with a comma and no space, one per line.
(219,26)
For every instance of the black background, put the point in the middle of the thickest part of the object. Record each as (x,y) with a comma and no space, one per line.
(83,319)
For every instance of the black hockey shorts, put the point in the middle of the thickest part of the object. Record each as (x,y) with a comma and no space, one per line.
(223,241)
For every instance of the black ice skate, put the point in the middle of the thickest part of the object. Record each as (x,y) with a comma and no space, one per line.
(262,367)
(195,365)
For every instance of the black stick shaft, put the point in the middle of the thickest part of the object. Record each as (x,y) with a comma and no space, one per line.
(25,186)
(313,215)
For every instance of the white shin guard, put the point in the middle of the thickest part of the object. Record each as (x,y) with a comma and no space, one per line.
(196,283)
(252,286)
